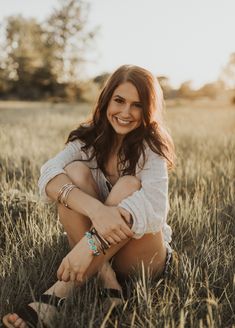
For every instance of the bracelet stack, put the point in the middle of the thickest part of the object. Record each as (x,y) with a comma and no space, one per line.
(91,243)
(64,193)
(93,238)
(95,242)
(103,244)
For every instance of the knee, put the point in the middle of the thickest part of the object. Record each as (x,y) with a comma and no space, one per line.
(79,173)
(129,182)
(124,187)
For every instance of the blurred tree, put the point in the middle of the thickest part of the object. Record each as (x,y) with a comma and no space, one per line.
(66,29)
(45,59)
(227,77)
(209,90)
(167,89)
(228,73)
(101,79)
(29,58)
(185,90)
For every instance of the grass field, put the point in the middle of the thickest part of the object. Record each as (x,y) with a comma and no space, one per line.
(202,217)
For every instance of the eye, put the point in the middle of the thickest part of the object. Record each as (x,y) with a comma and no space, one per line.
(118,100)
(138,105)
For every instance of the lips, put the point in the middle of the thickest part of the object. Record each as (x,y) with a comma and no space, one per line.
(122,122)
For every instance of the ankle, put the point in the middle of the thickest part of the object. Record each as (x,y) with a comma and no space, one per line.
(109,280)
(61,289)
(108,277)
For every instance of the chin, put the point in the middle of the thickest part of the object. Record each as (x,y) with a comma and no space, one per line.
(122,131)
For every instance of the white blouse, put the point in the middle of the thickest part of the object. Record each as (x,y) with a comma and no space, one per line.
(149,205)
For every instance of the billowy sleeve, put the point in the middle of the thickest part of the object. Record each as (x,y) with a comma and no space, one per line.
(149,205)
(55,166)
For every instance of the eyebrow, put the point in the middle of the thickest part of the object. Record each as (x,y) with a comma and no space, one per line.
(134,102)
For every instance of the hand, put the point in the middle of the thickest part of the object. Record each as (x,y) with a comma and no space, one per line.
(112,222)
(76,262)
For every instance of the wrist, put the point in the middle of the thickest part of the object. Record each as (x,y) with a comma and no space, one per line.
(94,208)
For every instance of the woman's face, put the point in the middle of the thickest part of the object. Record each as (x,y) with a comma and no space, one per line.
(124,110)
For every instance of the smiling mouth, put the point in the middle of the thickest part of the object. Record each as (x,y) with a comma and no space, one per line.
(122,121)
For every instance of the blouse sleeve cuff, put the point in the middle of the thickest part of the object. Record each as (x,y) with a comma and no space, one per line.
(137,229)
(42,182)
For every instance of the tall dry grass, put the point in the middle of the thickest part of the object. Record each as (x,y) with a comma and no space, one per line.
(202,199)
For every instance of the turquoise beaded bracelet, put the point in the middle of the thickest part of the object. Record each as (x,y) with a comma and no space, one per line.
(91,244)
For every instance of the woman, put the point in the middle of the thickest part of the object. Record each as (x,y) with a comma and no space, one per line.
(112,177)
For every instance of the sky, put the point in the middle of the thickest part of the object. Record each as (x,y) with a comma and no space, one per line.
(181,39)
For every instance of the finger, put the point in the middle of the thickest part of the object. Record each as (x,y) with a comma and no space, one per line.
(125,214)
(121,235)
(102,236)
(127,219)
(104,240)
(65,275)
(60,271)
(18,322)
(111,240)
(127,231)
(116,237)
(79,277)
(72,276)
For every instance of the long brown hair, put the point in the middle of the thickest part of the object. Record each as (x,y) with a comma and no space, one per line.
(99,136)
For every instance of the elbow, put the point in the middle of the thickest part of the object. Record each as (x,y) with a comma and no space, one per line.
(49,192)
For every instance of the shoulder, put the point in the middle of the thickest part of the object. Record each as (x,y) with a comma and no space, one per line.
(75,144)
(150,155)
(151,162)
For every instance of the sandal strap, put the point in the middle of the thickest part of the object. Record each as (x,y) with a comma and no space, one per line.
(111,292)
(29,315)
(52,300)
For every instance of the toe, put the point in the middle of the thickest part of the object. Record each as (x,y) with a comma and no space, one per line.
(12,317)
(18,322)
(23,325)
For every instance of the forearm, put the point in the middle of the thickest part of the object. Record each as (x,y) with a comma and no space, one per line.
(77,200)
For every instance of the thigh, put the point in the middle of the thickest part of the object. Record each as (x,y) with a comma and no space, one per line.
(149,251)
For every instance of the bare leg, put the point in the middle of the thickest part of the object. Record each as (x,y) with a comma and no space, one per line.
(129,255)
(134,251)
(76,224)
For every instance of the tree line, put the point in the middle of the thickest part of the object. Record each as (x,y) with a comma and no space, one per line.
(45,60)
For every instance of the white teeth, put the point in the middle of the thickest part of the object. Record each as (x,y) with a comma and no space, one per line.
(122,121)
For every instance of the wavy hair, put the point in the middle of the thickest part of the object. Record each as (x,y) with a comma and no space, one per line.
(98,134)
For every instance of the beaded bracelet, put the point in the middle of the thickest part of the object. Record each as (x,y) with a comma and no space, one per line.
(103,242)
(101,248)
(91,244)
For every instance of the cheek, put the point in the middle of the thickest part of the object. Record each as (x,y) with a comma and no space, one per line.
(110,110)
(138,117)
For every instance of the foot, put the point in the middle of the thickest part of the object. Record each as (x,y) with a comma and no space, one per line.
(46,312)
(109,282)
(108,277)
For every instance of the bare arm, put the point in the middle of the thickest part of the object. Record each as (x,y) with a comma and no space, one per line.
(77,200)
(109,221)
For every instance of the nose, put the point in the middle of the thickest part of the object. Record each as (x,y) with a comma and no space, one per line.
(126,110)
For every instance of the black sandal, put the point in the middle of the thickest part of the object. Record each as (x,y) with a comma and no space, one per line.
(110,292)
(29,315)
(111,298)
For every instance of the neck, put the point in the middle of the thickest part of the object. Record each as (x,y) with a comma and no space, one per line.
(117,144)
